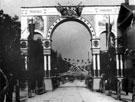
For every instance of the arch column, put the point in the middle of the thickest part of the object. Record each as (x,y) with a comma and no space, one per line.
(24,52)
(47,64)
(47,57)
(117,64)
(119,57)
(94,64)
(26,62)
(96,57)
(98,64)
(121,64)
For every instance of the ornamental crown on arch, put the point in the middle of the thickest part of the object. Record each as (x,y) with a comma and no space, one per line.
(70,11)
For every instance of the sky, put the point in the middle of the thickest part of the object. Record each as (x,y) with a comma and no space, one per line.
(73,42)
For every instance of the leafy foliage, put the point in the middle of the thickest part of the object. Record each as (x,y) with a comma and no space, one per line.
(10,59)
(59,64)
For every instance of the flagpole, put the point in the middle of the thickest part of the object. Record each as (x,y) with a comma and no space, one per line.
(108,25)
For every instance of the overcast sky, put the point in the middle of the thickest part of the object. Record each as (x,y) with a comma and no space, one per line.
(73,42)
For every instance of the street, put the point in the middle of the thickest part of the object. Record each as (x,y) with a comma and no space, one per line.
(72,92)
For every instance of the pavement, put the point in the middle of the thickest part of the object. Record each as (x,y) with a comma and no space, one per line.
(124,97)
(77,92)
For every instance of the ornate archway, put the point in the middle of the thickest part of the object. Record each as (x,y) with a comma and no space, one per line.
(59,21)
(93,18)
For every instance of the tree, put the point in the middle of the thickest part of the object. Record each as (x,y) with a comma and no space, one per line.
(10,61)
(58,62)
(10,40)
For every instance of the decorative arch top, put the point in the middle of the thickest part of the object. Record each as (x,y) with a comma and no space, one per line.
(81,19)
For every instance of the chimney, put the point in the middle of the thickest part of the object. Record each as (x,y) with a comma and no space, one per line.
(127,2)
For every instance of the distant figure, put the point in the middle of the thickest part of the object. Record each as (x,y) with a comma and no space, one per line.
(102,83)
(81,77)
(126,81)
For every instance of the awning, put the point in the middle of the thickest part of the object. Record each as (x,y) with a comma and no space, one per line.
(125,16)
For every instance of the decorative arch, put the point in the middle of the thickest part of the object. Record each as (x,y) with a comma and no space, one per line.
(79,19)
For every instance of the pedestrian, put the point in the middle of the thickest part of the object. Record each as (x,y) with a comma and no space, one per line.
(81,77)
(126,82)
(102,83)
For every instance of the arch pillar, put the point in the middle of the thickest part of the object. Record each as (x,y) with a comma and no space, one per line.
(96,63)
(24,52)
(47,64)
(119,57)
(96,57)
(119,64)
(47,57)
